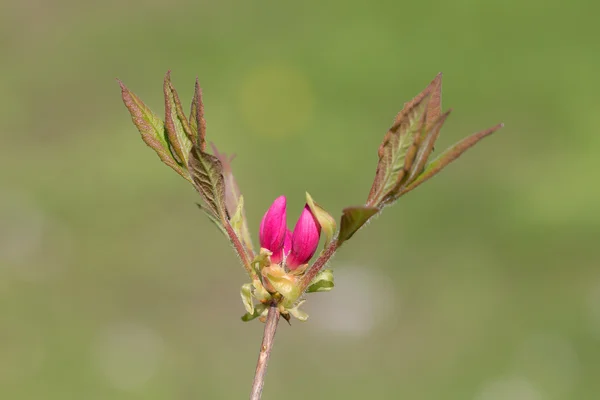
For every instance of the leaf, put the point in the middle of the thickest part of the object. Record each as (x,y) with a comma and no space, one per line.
(297,313)
(283,283)
(260,292)
(434,108)
(236,220)
(426,147)
(207,175)
(259,311)
(214,220)
(399,148)
(393,150)
(246,293)
(197,121)
(352,219)
(262,260)
(152,129)
(233,198)
(326,221)
(323,282)
(450,155)
(176,123)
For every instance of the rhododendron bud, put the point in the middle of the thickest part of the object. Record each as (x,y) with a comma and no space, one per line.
(287,243)
(273,229)
(305,239)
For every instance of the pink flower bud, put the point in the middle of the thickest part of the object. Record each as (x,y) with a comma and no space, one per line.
(305,239)
(273,229)
(287,243)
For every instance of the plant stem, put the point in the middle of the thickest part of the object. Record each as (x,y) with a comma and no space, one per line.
(265,351)
(318,265)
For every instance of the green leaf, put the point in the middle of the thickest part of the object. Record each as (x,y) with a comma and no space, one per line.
(214,220)
(450,155)
(237,220)
(326,221)
(246,294)
(207,175)
(151,128)
(297,313)
(197,121)
(176,123)
(283,283)
(352,219)
(260,293)
(262,260)
(323,282)
(259,311)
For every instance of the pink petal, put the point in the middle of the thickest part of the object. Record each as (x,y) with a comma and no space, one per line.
(273,227)
(305,239)
(285,250)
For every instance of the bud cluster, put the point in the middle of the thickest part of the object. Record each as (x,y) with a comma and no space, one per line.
(281,271)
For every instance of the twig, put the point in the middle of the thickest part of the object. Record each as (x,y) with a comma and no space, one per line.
(265,351)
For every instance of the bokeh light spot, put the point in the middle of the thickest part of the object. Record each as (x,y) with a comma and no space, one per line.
(33,246)
(509,388)
(549,361)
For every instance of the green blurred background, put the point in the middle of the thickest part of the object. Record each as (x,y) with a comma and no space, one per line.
(482,284)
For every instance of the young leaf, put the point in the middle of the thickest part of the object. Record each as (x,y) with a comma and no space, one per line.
(207,175)
(236,219)
(214,220)
(283,283)
(176,123)
(400,144)
(434,108)
(426,147)
(450,155)
(326,221)
(151,128)
(246,294)
(197,121)
(392,151)
(323,282)
(260,292)
(297,313)
(352,219)
(259,311)
(233,198)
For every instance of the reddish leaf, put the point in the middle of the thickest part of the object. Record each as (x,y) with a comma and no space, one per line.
(353,218)
(151,128)
(176,123)
(426,147)
(207,174)
(197,121)
(401,143)
(392,152)
(450,155)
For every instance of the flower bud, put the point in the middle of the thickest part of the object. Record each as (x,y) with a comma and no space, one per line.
(305,239)
(273,229)
(287,243)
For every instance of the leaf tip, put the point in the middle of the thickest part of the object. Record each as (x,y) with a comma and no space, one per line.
(124,88)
